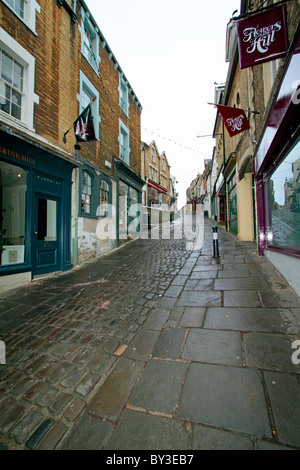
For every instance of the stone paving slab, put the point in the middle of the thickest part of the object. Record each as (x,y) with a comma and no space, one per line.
(142,345)
(148,432)
(89,433)
(170,343)
(205,438)
(250,319)
(227,397)
(284,392)
(111,397)
(159,387)
(241,298)
(213,346)
(193,317)
(200,299)
(269,351)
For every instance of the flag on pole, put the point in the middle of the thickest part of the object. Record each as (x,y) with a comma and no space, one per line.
(84,127)
(234,119)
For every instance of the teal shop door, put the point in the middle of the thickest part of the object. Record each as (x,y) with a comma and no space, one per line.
(46,247)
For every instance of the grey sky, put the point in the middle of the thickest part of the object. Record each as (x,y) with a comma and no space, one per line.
(172,52)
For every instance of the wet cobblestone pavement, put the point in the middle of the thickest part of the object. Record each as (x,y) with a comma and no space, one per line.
(153,346)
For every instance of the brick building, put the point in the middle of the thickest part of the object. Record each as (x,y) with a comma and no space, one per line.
(159,192)
(54,61)
(156,173)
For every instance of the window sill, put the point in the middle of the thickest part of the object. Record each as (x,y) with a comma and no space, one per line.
(16,123)
(88,216)
(15,268)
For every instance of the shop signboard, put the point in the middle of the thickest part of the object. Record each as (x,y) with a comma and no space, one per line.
(262,37)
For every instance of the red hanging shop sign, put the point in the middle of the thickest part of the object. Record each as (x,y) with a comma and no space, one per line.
(262,37)
(234,119)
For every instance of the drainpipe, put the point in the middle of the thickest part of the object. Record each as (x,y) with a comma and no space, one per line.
(224,161)
(75,239)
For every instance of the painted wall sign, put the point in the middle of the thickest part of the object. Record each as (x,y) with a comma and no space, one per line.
(262,37)
(17,156)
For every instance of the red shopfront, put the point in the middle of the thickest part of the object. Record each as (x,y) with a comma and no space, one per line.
(277,174)
(157,196)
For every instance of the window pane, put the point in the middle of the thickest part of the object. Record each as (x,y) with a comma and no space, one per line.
(16,104)
(284,199)
(86,191)
(18,76)
(5,98)
(88,45)
(19,7)
(11,84)
(104,185)
(47,220)
(6,68)
(102,210)
(86,98)
(13,192)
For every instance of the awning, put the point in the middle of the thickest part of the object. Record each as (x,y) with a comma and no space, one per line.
(158,188)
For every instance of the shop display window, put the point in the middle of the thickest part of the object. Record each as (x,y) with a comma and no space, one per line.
(283,202)
(103,199)
(13,192)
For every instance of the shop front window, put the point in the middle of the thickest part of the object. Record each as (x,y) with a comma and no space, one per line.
(232,205)
(13,192)
(283,201)
(86,192)
(103,199)
(123,202)
(128,213)
(132,209)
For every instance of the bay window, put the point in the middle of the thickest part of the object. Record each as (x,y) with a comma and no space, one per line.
(13,194)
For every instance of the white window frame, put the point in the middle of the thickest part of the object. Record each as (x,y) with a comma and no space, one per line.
(124,151)
(94,32)
(123,100)
(30,9)
(89,88)
(29,98)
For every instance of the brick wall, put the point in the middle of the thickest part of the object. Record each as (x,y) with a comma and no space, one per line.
(56,48)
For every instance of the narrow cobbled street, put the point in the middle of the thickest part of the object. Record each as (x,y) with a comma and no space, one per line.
(154,346)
